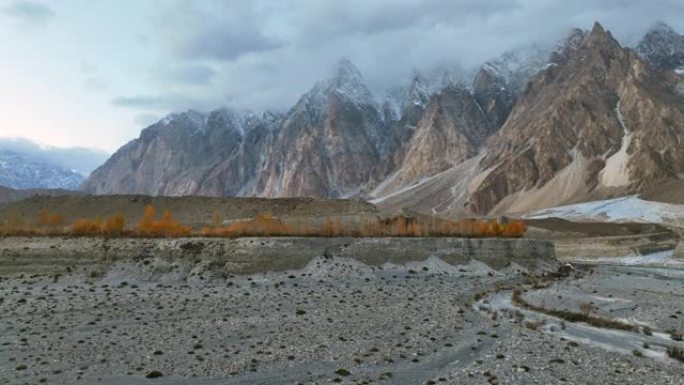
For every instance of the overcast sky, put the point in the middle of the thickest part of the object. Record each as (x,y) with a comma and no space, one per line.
(93,73)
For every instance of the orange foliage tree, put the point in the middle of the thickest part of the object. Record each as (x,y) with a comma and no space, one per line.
(165,227)
(110,227)
(266,224)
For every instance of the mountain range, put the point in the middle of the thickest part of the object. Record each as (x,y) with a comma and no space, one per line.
(27,165)
(535,128)
(22,171)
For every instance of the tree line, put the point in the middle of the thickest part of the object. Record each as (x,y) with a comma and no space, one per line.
(263,224)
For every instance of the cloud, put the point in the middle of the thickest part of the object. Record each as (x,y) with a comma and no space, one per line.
(145,119)
(29,12)
(264,54)
(214,30)
(224,44)
(83,160)
(168,102)
(139,101)
(191,74)
(95,83)
(88,67)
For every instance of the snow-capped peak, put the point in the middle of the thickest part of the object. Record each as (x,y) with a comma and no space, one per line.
(197,119)
(662,28)
(346,81)
(346,74)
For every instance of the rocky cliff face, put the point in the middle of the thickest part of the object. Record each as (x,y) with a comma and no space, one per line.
(598,119)
(499,82)
(451,130)
(330,143)
(589,120)
(215,154)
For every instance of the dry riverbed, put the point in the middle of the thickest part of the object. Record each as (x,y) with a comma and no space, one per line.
(335,321)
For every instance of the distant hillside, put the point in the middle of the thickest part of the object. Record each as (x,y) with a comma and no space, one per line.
(194,211)
(23,171)
(8,195)
(80,159)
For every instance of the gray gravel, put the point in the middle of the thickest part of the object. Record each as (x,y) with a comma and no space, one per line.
(337,320)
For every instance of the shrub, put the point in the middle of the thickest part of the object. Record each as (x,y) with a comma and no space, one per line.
(114,225)
(676,353)
(84,226)
(50,219)
(586,308)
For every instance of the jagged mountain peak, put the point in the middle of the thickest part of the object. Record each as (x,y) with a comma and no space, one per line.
(522,61)
(601,36)
(346,73)
(413,94)
(346,80)
(662,47)
(225,118)
(580,43)
(597,29)
(499,81)
(194,118)
(567,46)
(660,27)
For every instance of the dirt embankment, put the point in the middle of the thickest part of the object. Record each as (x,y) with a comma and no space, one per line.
(575,240)
(58,255)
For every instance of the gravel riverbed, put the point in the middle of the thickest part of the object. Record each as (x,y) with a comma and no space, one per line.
(335,321)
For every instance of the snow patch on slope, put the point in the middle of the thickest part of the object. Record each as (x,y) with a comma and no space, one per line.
(625,209)
(616,173)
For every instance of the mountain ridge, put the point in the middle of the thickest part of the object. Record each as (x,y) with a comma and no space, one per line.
(545,126)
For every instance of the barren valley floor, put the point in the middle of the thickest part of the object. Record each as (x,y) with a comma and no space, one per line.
(337,320)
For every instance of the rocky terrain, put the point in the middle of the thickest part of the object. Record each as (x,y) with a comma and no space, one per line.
(535,128)
(170,258)
(336,320)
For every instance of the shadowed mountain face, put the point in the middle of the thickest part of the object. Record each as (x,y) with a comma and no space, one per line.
(535,129)
(662,47)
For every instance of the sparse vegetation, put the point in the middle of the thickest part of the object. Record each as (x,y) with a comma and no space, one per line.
(111,227)
(675,335)
(263,224)
(676,353)
(586,308)
(570,316)
(165,227)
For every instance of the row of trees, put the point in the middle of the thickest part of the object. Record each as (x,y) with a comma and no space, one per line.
(51,224)
(399,226)
(264,224)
